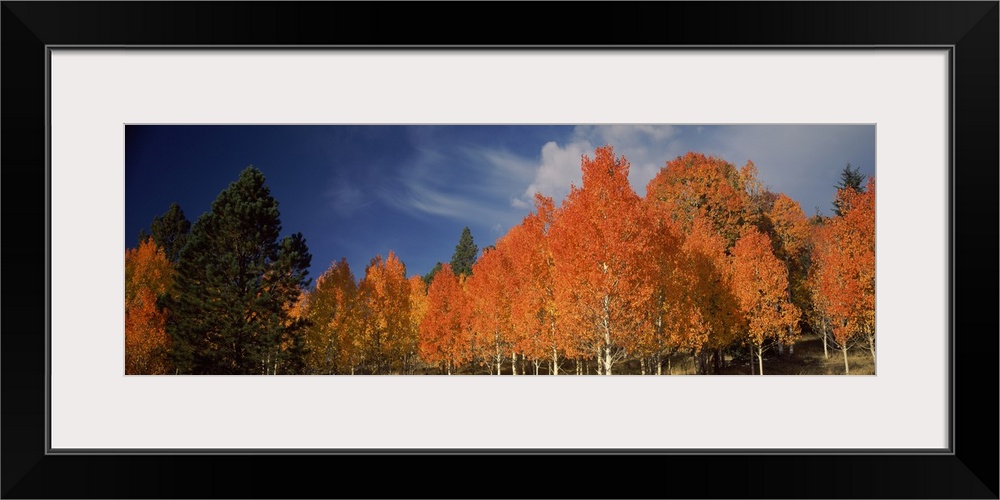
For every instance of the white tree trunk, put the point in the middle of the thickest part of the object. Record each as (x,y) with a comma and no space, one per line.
(826,355)
(607,330)
(847,367)
(760,359)
(555,361)
(513,363)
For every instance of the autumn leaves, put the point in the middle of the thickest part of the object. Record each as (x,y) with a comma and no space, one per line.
(708,264)
(842,277)
(148,274)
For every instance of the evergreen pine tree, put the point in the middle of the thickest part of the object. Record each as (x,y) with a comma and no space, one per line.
(169,231)
(229,312)
(849,179)
(430,275)
(465,254)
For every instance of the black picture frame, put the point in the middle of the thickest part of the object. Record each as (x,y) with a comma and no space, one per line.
(969,470)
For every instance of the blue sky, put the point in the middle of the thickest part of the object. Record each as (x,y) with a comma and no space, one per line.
(360,191)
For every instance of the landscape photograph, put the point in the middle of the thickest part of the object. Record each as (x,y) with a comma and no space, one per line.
(513,250)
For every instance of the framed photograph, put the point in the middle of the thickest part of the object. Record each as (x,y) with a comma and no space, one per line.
(114,108)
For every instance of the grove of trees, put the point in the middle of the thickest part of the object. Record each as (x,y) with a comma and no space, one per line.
(709,265)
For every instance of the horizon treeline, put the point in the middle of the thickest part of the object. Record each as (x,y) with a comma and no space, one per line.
(708,264)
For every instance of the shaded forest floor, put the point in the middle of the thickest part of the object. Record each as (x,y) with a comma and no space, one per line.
(805,358)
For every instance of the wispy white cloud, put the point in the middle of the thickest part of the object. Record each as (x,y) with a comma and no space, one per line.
(465,184)
(345,198)
(502,163)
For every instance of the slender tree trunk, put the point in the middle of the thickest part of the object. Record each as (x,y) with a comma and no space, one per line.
(670,370)
(642,366)
(536,362)
(513,363)
(607,330)
(826,355)
(555,361)
(871,345)
(694,361)
(760,358)
(751,360)
(659,364)
(847,367)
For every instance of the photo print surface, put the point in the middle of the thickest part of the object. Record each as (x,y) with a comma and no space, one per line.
(513,250)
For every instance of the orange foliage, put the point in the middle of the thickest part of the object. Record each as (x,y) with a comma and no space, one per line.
(760,283)
(489,292)
(790,226)
(441,335)
(331,308)
(670,306)
(418,302)
(603,264)
(534,307)
(714,316)
(820,242)
(148,275)
(845,267)
(387,333)
(694,184)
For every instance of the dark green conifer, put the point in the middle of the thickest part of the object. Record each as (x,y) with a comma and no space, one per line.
(465,254)
(235,282)
(849,179)
(169,231)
